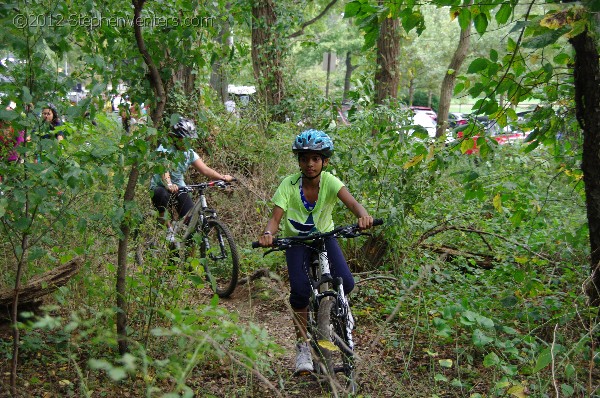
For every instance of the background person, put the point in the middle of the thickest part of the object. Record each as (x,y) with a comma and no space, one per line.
(165,187)
(9,141)
(50,121)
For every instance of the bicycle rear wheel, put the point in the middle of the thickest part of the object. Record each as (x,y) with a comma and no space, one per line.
(220,257)
(333,345)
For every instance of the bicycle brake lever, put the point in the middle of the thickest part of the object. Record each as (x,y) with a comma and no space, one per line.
(269,251)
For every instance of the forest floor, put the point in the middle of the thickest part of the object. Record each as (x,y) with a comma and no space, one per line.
(381,371)
(264,302)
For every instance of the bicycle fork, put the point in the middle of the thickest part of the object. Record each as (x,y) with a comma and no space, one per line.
(342,308)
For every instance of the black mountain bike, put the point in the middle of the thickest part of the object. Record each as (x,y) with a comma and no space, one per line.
(330,321)
(201,236)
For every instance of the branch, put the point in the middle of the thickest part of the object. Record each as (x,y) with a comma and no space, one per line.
(377,277)
(480,233)
(312,21)
(156,81)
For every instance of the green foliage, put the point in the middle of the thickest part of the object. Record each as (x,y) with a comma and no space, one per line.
(190,342)
(421,98)
(499,311)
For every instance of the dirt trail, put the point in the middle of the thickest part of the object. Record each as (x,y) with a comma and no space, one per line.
(264,302)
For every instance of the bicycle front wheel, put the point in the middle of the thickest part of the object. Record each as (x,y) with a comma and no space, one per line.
(334,347)
(220,257)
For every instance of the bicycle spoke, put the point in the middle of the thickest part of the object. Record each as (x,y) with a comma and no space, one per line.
(219,257)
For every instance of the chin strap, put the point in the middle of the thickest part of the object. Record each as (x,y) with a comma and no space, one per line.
(311,178)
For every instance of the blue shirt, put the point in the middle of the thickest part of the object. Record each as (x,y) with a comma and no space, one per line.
(176,171)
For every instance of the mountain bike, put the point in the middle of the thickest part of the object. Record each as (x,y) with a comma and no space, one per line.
(201,235)
(330,321)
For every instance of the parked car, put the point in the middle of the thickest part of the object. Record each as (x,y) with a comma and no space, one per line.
(490,128)
(426,121)
(456,119)
(426,110)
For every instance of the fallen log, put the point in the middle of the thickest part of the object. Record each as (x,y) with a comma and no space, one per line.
(41,285)
(485,261)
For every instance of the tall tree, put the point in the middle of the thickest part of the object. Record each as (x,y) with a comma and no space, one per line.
(387,74)
(223,44)
(450,78)
(267,54)
(587,99)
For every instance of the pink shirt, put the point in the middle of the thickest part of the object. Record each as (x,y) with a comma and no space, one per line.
(5,142)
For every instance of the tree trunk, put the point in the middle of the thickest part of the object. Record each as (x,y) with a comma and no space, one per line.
(587,108)
(122,263)
(158,88)
(218,76)
(187,79)
(387,76)
(267,56)
(348,75)
(411,91)
(15,306)
(450,80)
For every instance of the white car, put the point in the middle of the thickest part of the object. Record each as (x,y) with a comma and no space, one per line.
(426,121)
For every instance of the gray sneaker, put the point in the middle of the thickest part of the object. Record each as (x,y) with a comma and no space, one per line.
(303,358)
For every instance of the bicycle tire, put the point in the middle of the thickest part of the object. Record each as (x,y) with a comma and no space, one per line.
(221,265)
(333,345)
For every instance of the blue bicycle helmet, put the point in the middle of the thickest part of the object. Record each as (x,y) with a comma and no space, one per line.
(313,141)
(184,128)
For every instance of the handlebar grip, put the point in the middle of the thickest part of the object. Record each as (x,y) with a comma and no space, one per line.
(255,245)
(377,221)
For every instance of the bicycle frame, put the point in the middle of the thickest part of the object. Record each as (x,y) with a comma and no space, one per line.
(197,214)
(324,285)
(201,235)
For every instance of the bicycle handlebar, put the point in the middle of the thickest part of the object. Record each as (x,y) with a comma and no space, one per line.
(346,231)
(202,186)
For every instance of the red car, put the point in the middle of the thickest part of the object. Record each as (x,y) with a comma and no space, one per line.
(492,130)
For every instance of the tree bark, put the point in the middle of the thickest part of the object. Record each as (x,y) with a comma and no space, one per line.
(450,80)
(348,75)
(218,77)
(387,76)
(267,56)
(411,91)
(122,304)
(586,73)
(187,79)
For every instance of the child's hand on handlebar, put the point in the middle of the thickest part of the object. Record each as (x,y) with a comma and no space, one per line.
(173,188)
(265,240)
(365,222)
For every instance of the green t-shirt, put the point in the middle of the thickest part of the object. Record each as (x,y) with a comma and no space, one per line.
(297,219)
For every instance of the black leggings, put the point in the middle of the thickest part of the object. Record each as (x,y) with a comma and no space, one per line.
(162,199)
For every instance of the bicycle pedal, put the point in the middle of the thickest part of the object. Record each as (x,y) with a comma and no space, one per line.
(302,373)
